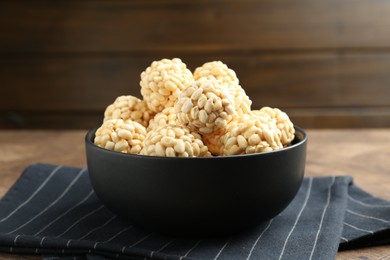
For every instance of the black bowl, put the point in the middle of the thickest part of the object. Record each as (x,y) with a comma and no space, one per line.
(197,196)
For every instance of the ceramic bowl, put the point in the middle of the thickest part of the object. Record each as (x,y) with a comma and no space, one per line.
(197,196)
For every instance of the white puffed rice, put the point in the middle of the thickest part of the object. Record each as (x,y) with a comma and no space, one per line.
(166,117)
(249,134)
(214,141)
(241,100)
(282,121)
(196,114)
(174,141)
(217,69)
(162,82)
(205,106)
(121,136)
(129,107)
(227,76)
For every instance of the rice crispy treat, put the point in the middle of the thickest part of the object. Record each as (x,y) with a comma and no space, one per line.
(227,76)
(205,106)
(217,69)
(282,121)
(129,107)
(249,134)
(162,82)
(174,141)
(121,136)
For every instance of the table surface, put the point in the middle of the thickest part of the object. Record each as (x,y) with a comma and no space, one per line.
(363,154)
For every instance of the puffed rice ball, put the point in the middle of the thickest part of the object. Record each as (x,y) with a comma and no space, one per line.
(227,76)
(282,121)
(166,117)
(205,106)
(129,107)
(121,136)
(217,69)
(174,141)
(162,82)
(249,134)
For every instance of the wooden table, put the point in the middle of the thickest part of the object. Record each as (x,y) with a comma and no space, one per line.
(363,154)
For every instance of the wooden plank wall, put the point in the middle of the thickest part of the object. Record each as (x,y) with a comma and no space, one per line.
(326,63)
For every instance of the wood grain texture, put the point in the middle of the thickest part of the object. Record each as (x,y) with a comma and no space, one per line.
(143,26)
(318,90)
(288,80)
(363,154)
(326,61)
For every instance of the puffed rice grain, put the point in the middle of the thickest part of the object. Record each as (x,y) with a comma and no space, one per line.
(282,121)
(162,82)
(174,141)
(248,134)
(121,136)
(217,69)
(129,107)
(166,117)
(205,106)
(221,72)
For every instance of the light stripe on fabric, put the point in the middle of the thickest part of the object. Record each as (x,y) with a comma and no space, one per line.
(357,228)
(97,228)
(298,216)
(80,219)
(113,237)
(33,194)
(368,217)
(257,240)
(161,248)
(16,238)
(116,235)
(189,251)
(323,216)
(139,241)
(222,248)
(41,242)
(51,204)
(366,204)
(66,212)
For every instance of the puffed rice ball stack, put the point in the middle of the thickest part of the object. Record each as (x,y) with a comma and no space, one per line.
(121,136)
(249,134)
(162,82)
(205,106)
(129,107)
(174,141)
(282,121)
(166,117)
(226,76)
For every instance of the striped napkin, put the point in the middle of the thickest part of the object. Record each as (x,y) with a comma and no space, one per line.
(52,211)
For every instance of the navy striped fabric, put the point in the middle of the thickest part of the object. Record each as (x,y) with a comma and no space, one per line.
(52,211)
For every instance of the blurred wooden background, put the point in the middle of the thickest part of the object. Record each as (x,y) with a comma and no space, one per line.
(325,62)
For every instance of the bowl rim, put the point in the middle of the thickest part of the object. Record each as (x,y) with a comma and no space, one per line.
(91,133)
